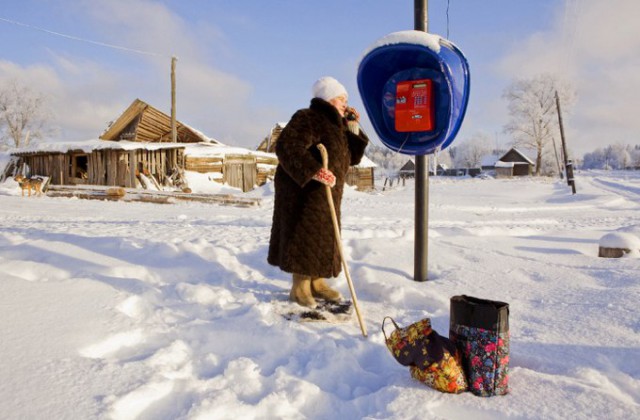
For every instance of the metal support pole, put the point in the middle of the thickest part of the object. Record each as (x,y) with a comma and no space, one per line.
(420,272)
(420,267)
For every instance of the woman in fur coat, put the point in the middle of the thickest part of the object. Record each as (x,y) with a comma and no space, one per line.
(302,236)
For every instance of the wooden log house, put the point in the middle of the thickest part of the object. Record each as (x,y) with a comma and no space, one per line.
(514,163)
(138,145)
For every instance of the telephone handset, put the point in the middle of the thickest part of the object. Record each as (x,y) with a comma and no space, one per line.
(415,108)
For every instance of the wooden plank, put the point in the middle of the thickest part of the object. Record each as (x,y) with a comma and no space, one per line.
(133,166)
(110,164)
(162,176)
(123,121)
(161,197)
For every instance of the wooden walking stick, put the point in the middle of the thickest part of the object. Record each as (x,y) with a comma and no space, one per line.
(336,229)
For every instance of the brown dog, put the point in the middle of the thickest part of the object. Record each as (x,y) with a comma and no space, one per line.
(29,184)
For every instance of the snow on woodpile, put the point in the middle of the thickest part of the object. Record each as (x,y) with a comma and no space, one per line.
(220,150)
(625,242)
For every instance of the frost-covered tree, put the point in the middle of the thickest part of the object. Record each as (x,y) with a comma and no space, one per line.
(388,161)
(23,115)
(594,160)
(469,154)
(533,113)
(614,156)
(623,155)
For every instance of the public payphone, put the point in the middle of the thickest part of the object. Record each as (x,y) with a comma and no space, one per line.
(414,109)
(415,89)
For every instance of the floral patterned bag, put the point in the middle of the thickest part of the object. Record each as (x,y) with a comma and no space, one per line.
(432,359)
(480,330)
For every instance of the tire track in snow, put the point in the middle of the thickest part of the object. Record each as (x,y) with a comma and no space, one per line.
(630,192)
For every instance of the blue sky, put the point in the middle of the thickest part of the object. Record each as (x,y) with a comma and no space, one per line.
(245,65)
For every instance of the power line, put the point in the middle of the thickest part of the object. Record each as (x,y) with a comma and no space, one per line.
(102,44)
(569,30)
(447,19)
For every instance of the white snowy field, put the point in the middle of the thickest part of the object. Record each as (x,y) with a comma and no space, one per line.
(149,311)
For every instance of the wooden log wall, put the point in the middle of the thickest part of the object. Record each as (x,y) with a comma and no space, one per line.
(361,178)
(51,165)
(265,173)
(95,169)
(240,171)
(110,167)
(204,164)
(266,168)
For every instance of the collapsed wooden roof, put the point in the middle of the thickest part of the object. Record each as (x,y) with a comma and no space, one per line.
(269,143)
(143,123)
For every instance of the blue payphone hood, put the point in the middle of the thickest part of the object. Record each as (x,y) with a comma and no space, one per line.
(411,55)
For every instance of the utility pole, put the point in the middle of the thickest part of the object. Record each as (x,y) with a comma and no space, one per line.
(421,246)
(567,163)
(174,129)
(555,150)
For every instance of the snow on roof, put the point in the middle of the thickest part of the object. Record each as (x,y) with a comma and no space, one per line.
(520,153)
(88,146)
(524,156)
(202,135)
(489,160)
(213,150)
(501,164)
(366,163)
(192,149)
(430,41)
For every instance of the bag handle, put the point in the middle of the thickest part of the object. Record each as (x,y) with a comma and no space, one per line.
(394,323)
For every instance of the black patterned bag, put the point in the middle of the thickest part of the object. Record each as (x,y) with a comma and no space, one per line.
(480,330)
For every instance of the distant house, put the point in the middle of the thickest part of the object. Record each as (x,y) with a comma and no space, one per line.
(361,176)
(408,170)
(488,162)
(514,163)
(136,151)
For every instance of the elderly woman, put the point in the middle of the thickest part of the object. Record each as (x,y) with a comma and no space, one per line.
(302,236)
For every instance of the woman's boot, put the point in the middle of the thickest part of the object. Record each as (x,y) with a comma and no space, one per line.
(320,289)
(301,291)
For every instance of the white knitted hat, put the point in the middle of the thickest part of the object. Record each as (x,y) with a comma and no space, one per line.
(328,88)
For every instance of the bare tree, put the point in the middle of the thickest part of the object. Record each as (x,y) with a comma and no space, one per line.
(23,115)
(470,153)
(532,108)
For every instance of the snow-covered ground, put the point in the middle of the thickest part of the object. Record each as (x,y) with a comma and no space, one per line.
(138,310)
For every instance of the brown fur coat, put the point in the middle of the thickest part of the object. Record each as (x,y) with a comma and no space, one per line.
(302,235)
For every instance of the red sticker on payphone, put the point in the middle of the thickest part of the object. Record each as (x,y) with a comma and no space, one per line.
(415,106)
